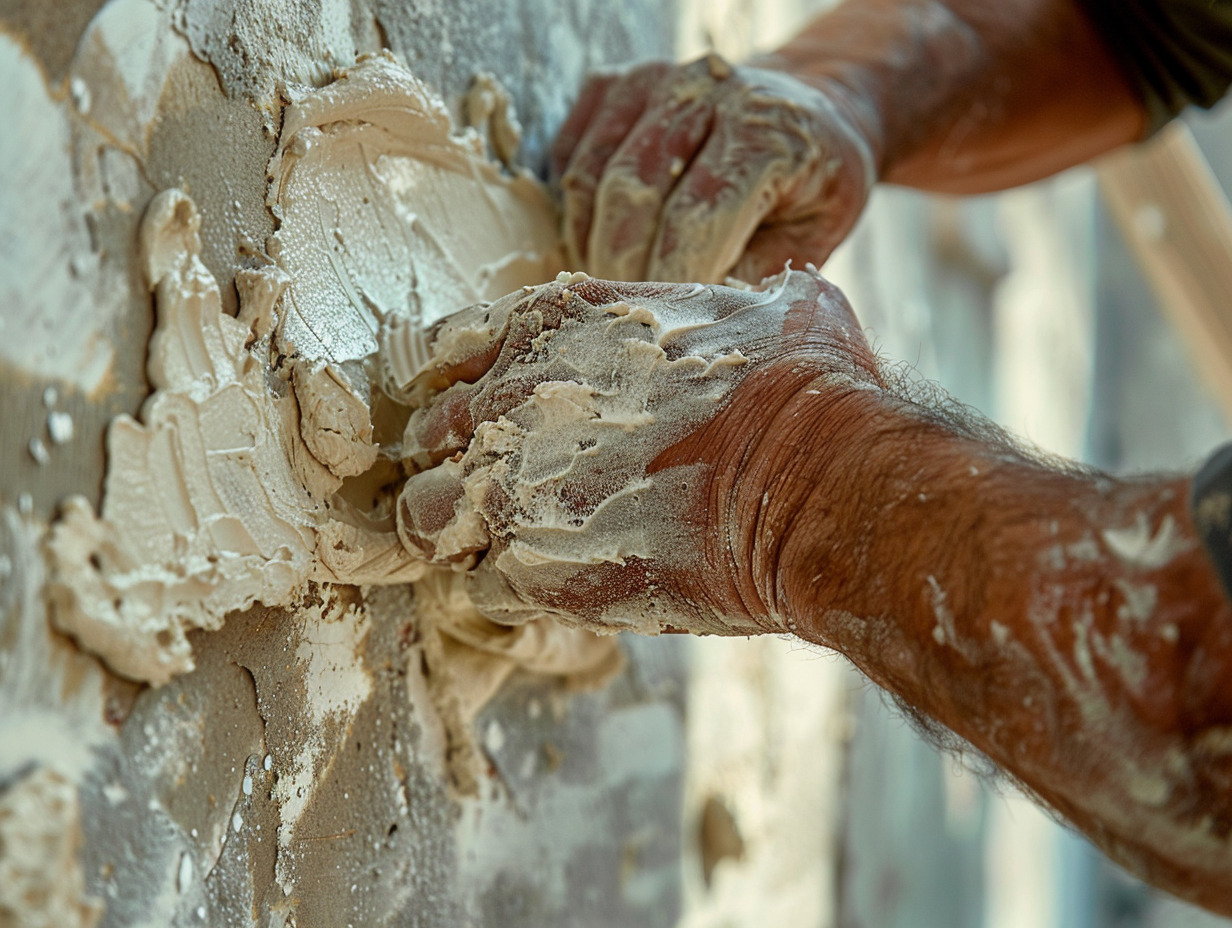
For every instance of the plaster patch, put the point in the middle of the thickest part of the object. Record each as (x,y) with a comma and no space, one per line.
(384,212)
(51,695)
(51,327)
(41,883)
(334,676)
(489,110)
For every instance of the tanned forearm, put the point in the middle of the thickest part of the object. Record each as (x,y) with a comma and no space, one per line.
(1067,625)
(971,96)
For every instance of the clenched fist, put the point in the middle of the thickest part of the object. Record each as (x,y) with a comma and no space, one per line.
(709,170)
(621,455)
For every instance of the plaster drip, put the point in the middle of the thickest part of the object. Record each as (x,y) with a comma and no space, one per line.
(257,463)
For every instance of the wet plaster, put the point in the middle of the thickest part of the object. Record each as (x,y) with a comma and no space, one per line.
(228,188)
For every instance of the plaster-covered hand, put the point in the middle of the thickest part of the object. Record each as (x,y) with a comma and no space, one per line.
(699,171)
(609,453)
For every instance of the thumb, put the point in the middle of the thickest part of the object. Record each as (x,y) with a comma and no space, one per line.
(437,520)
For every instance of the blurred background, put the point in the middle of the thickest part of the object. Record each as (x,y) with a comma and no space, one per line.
(1031,307)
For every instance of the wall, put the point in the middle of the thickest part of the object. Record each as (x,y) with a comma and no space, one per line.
(123,804)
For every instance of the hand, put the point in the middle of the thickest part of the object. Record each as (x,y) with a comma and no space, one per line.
(620,455)
(709,170)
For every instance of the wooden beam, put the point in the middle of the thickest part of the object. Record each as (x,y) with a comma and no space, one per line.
(1177,221)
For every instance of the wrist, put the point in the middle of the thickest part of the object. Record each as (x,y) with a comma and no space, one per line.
(818,473)
(846,95)
(902,527)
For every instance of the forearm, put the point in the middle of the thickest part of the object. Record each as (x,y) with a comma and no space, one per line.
(1067,626)
(970,96)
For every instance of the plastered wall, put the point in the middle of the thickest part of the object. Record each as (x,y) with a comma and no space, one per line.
(125,804)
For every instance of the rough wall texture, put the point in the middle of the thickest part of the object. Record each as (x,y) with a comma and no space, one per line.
(124,805)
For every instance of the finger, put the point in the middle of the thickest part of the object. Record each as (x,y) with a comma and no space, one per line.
(476,374)
(713,212)
(440,429)
(578,122)
(604,597)
(436,520)
(639,179)
(462,347)
(771,247)
(624,101)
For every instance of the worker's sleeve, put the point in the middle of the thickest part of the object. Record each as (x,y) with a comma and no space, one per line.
(1174,52)
(1211,503)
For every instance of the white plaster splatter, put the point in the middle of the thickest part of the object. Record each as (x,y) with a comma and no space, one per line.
(1138,546)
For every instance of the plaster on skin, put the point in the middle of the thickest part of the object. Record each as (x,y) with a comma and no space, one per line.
(633,367)
(1137,545)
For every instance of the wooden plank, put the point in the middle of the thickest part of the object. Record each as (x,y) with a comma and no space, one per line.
(1177,221)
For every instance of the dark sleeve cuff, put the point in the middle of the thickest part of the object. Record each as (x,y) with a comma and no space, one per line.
(1174,52)
(1211,504)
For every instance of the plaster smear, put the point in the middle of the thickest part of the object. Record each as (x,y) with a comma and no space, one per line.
(336,684)
(213,501)
(385,213)
(51,326)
